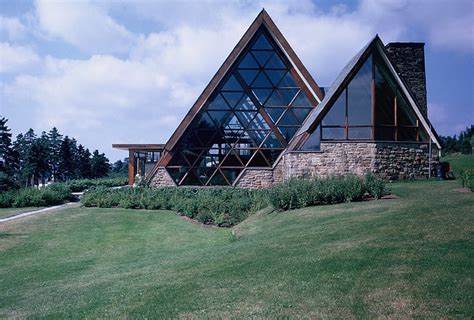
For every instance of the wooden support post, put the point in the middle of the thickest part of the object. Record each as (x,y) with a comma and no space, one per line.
(131,161)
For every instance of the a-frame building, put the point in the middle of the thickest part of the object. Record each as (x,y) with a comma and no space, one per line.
(262,119)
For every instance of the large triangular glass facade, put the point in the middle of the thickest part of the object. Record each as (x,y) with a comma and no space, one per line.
(370,106)
(247,121)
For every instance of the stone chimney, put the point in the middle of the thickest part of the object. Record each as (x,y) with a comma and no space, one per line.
(409,59)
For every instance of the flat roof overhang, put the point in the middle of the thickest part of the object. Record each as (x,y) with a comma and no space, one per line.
(134,146)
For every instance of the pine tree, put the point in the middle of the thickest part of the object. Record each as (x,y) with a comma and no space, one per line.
(84,162)
(22,146)
(38,159)
(8,157)
(55,140)
(100,165)
(66,164)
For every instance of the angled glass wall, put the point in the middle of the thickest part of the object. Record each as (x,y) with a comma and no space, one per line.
(247,122)
(370,107)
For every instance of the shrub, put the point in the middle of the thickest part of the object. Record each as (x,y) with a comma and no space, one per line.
(223,206)
(32,197)
(226,206)
(375,186)
(80,185)
(467,178)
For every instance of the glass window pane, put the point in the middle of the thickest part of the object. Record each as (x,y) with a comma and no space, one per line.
(275,113)
(289,119)
(258,123)
(262,56)
(359,97)
(231,174)
(261,81)
(360,133)
(337,114)
(205,121)
(275,63)
(258,160)
(385,90)
(217,180)
(262,94)
(288,81)
(232,85)
(301,113)
(423,135)
(405,114)
(271,142)
(245,117)
(275,75)
(288,132)
(314,141)
(334,134)
(384,134)
(262,43)
(271,155)
(245,104)
(406,134)
(301,100)
(220,118)
(248,75)
(248,62)
(218,103)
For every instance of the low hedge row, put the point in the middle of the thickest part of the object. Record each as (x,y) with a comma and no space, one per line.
(223,206)
(298,193)
(31,197)
(227,206)
(80,185)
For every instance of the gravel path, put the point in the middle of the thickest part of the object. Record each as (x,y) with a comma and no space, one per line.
(26,214)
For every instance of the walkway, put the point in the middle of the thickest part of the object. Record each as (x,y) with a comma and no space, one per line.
(26,214)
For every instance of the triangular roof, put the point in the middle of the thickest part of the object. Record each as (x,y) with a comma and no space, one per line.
(316,115)
(262,20)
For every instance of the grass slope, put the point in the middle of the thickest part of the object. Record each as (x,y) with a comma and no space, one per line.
(460,161)
(395,258)
(8,212)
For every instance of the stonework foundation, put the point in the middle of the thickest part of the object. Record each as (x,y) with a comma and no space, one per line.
(162,179)
(391,161)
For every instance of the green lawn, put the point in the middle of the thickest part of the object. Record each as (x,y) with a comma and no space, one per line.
(460,161)
(400,258)
(8,212)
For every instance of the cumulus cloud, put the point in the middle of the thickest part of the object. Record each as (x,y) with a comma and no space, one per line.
(137,86)
(84,25)
(12,29)
(16,58)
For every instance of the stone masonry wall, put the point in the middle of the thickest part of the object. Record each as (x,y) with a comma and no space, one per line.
(162,179)
(391,161)
(409,59)
(333,159)
(256,178)
(404,161)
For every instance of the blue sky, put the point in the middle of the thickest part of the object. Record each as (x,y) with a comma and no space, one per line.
(127,72)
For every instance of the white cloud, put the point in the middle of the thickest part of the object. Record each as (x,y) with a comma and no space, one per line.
(143,94)
(11,29)
(16,58)
(84,25)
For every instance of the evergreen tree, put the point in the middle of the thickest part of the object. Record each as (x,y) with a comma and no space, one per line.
(84,162)
(66,164)
(55,140)
(38,159)
(100,166)
(120,167)
(22,146)
(8,157)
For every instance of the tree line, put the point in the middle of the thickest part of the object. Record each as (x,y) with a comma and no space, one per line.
(462,143)
(33,159)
